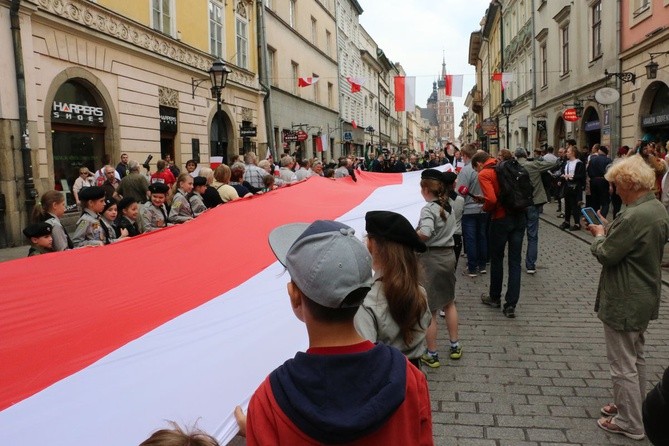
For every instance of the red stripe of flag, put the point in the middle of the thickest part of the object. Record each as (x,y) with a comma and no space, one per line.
(400,88)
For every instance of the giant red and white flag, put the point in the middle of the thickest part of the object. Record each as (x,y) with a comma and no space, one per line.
(504,78)
(306,81)
(405,93)
(100,346)
(356,83)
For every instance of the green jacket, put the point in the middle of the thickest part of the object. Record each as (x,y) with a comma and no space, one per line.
(534,168)
(630,284)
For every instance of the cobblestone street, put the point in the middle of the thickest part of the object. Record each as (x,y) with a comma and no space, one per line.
(539,379)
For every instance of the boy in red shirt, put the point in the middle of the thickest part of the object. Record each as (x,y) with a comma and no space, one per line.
(344,389)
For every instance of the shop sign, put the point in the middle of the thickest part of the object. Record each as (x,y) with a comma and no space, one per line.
(290,137)
(302,135)
(168,119)
(570,115)
(655,120)
(592,125)
(489,126)
(348,136)
(248,132)
(77,113)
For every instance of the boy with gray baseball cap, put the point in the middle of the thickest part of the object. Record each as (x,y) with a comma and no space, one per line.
(344,389)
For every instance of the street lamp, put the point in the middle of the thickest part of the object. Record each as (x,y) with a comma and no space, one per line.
(507,105)
(651,68)
(218,73)
(370,130)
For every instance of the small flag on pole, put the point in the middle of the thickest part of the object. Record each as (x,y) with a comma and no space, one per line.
(322,143)
(405,93)
(504,78)
(453,85)
(356,83)
(306,81)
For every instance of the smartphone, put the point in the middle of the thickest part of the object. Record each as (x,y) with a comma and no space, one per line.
(591,216)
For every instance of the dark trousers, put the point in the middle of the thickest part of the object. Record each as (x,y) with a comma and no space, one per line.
(571,208)
(475,235)
(508,230)
(599,188)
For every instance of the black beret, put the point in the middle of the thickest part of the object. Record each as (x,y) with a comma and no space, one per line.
(92,193)
(449,178)
(124,203)
(393,227)
(109,202)
(37,230)
(604,150)
(159,188)
(199,181)
(431,174)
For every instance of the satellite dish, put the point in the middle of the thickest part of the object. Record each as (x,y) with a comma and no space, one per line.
(607,96)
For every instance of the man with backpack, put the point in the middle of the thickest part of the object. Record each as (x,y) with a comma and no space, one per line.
(507,197)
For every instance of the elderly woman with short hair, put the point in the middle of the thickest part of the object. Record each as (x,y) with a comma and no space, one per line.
(628,297)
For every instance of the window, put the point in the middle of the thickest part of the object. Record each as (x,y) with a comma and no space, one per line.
(330,94)
(162,16)
(271,67)
(242,43)
(544,65)
(596,30)
(296,74)
(216,28)
(564,50)
(317,90)
(292,13)
(328,42)
(314,31)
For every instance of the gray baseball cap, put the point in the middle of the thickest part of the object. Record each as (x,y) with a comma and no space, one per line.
(324,259)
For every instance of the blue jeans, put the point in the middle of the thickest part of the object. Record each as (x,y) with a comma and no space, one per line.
(509,229)
(532,236)
(475,235)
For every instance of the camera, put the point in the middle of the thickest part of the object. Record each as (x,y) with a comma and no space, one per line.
(146,164)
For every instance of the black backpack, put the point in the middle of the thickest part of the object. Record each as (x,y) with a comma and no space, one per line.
(515,186)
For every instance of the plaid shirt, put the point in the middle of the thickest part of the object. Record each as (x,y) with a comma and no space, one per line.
(254,175)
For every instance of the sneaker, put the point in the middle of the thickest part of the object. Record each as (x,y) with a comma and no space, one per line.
(564,225)
(487,300)
(608,425)
(576,228)
(456,352)
(482,270)
(509,312)
(531,271)
(442,313)
(471,273)
(430,360)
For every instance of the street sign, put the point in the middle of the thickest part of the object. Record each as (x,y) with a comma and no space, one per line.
(489,125)
(290,137)
(302,135)
(246,132)
(348,136)
(570,115)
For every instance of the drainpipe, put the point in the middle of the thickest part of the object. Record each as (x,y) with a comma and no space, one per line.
(28,183)
(263,78)
(617,120)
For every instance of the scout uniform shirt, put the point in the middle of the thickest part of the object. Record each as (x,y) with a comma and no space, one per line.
(153,217)
(181,211)
(89,230)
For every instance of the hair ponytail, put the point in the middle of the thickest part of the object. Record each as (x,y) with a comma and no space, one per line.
(46,202)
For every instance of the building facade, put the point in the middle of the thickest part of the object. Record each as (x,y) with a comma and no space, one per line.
(110,77)
(301,43)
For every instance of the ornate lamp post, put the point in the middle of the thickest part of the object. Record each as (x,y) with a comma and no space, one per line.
(218,73)
(507,105)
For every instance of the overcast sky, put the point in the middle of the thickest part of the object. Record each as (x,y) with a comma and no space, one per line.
(417,33)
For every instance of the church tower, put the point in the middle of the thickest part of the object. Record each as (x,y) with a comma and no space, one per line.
(445,109)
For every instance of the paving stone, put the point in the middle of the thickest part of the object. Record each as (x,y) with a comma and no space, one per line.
(546,435)
(505,433)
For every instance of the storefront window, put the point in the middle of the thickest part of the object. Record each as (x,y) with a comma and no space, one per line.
(78,130)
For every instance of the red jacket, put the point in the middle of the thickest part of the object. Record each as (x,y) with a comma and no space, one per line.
(490,188)
(320,405)
(165,176)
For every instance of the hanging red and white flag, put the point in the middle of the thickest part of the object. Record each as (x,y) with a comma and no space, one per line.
(504,78)
(356,83)
(108,368)
(453,85)
(405,93)
(306,81)
(354,124)
(322,143)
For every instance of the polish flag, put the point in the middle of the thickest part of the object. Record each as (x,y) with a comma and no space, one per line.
(84,363)
(405,93)
(322,143)
(453,85)
(504,78)
(306,81)
(356,83)
(354,124)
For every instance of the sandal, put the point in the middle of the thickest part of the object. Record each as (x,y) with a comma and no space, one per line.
(608,425)
(610,410)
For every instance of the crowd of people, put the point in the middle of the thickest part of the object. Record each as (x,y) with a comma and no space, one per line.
(371,309)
